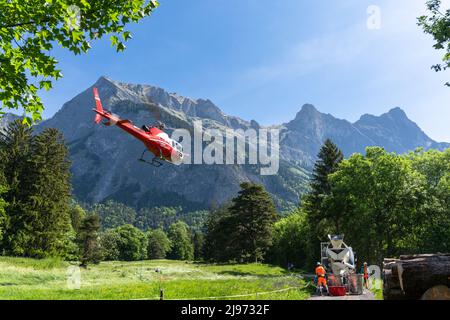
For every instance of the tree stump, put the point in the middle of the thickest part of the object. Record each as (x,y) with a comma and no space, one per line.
(410,277)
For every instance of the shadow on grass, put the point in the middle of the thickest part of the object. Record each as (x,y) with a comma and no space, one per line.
(242,273)
(7,284)
(238,273)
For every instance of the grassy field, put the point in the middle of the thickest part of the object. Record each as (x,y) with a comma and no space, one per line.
(22,278)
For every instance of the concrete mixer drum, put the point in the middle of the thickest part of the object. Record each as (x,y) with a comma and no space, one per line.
(337,257)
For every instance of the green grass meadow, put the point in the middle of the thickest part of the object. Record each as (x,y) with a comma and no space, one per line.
(23,278)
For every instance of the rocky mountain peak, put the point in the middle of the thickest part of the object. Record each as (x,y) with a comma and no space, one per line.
(308,116)
(395,132)
(307,110)
(104,80)
(202,108)
(398,112)
(395,114)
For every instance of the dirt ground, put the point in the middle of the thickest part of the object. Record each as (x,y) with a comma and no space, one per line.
(367,295)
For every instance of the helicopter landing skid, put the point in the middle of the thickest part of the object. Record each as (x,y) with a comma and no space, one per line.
(155,162)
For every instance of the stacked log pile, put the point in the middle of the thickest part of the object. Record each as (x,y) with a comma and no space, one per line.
(416,277)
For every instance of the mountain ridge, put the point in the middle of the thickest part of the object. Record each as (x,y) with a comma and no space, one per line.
(105,159)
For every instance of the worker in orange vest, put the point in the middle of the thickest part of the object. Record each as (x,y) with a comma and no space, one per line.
(366,275)
(321,280)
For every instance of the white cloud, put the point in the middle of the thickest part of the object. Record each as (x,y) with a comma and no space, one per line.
(306,56)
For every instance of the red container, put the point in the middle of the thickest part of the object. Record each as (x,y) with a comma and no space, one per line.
(337,291)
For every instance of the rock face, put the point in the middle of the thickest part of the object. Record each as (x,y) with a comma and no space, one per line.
(104,159)
(395,132)
(7,118)
(303,136)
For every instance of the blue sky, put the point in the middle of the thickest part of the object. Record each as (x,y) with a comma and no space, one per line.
(262,60)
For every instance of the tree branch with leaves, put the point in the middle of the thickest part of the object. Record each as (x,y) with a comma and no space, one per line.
(29,30)
(437,24)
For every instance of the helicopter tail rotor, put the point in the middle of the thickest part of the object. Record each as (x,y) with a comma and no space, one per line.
(101,113)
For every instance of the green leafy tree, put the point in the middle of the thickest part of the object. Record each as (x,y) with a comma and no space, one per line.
(385,197)
(158,244)
(433,233)
(29,30)
(393,204)
(180,237)
(132,244)
(252,215)
(88,237)
(290,240)
(109,243)
(437,24)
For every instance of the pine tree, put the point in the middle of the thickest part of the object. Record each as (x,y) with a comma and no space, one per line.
(77,214)
(328,160)
(198,240)
(15,144)
(218,228)
(36,171)
(49,188)
(3,205)
(252,217)
(88,237)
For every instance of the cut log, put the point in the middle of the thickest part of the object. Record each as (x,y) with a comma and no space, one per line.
(437,293)
(423,256)
(413,275)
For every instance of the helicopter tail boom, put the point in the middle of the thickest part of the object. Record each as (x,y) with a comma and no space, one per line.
(98,107)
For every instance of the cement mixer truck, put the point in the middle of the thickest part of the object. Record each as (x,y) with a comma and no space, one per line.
(340,263)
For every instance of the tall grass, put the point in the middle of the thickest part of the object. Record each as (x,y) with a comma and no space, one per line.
(39,264)
(22,278)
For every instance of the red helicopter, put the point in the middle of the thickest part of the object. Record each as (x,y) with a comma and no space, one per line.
(154,138)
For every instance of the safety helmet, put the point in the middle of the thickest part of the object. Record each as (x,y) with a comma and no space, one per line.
(319,264)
